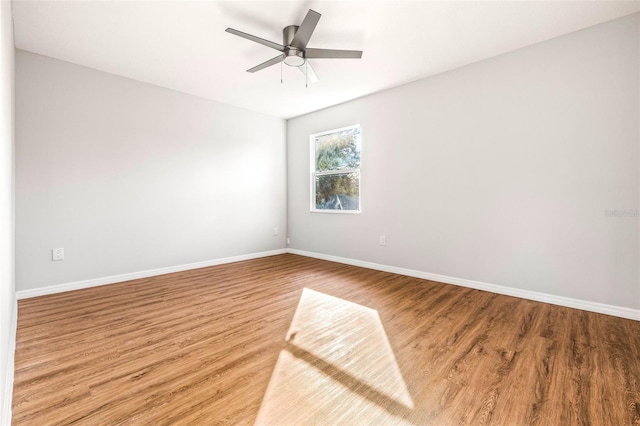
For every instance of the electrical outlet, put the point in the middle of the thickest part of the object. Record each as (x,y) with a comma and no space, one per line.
(288,240)
(276,231)
(57,254)
(383,240)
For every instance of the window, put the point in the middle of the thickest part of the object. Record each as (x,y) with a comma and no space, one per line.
(335,171)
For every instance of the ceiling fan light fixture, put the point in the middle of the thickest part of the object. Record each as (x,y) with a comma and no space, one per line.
(294,57)
(294,61)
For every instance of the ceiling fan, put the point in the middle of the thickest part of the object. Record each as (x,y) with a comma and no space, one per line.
(294,48)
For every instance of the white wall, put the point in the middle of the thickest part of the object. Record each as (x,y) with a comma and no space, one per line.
(498,172)
(7,287)
(130,177)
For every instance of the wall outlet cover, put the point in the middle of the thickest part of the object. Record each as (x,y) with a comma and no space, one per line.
(57,254)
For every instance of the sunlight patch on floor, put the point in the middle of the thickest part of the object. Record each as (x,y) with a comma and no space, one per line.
(337,366)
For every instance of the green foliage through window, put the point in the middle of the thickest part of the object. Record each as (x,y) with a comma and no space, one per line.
(336,174)
(340,150)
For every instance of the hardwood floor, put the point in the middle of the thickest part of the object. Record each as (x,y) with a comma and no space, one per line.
(294,340)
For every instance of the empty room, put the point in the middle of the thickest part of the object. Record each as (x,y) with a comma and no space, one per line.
(319,212)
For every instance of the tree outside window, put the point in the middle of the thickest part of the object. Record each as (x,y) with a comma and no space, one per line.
(335,170)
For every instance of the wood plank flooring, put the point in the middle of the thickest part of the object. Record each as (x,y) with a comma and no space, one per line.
(293,340)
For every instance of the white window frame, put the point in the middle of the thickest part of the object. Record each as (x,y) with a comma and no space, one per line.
(314,174)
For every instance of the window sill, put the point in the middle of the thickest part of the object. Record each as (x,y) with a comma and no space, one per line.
(336,211)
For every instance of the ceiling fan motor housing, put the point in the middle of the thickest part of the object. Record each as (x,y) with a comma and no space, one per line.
(292,56)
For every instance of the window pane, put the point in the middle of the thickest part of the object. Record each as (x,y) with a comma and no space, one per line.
(339,150)
(338,192)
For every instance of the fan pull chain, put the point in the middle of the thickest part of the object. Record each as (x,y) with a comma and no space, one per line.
(280,72)
(306,74)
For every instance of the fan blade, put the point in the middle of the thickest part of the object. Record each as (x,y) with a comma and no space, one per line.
(268,63)
(310,73)
(331,53)
(301,39)
(256,39)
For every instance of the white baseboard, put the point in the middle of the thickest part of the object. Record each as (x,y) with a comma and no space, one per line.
(78,285)
(5,417)
(585,305)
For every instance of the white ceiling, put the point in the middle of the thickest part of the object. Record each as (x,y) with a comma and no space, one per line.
(182,45)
